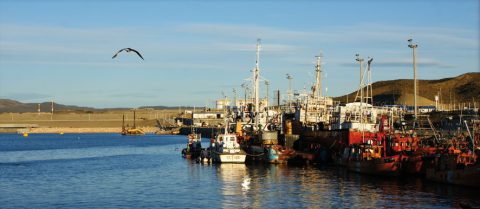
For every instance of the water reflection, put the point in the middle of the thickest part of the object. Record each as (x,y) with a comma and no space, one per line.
(235,183)
(267,186)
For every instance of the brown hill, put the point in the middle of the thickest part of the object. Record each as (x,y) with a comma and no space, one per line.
(464,88)
(8,105)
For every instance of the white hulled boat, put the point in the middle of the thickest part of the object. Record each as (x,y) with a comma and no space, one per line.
(226,149)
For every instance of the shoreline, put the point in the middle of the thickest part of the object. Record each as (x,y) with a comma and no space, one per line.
(57,130)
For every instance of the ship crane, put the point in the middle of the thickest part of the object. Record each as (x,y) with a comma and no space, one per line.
(360,93)
(362,96)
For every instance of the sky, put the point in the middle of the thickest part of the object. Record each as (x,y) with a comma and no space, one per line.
(197,51)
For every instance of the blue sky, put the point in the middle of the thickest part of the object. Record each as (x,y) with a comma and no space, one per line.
(61,51)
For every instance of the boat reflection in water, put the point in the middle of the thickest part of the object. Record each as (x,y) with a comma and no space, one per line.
(235,183)
(264,186)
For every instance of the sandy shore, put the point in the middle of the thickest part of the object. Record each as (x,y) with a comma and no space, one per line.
(82,130)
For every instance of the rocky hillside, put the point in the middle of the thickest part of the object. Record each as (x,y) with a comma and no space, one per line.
(463,88)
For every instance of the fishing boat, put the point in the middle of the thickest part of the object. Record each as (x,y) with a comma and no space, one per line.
(458,165)
(455,168)
(133,131)
(265,147)
(378,156)
(226,149)
(194,146)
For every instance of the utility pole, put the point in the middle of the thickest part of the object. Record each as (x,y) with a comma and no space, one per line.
(414,46)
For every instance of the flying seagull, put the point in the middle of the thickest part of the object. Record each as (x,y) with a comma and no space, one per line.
(127,50)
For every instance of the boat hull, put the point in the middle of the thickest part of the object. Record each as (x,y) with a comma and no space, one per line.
(335,140)
(375,167)
(231,158)
(467,176)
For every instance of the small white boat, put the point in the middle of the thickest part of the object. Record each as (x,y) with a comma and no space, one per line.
(226,149)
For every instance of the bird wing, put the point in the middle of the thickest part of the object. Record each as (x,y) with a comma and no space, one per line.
(115,55)
(137,53)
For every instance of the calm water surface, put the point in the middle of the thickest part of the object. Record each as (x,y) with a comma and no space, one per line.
(113,171)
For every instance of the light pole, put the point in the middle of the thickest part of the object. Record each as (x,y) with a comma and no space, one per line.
(289,77)
(414,46)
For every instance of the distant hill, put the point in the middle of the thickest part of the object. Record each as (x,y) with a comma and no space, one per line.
(463,88)
(169,107)
(8,105)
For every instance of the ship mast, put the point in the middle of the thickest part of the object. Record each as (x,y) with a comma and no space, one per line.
(317,89)
(256,81)
(360,90)
(369,96)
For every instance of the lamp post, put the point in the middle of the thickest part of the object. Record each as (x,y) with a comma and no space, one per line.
(414,46)
(289,77)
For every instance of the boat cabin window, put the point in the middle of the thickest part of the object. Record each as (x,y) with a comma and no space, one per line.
(232,139)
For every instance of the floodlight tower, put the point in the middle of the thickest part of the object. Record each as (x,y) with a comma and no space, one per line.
(414,46)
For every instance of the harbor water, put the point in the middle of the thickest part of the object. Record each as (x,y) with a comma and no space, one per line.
(114,171)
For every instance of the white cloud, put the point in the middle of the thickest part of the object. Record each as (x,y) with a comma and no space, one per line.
(421,62)
(251,47)
(28,47)
(94,46)
(374,33)
(245,31)
(10,30)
